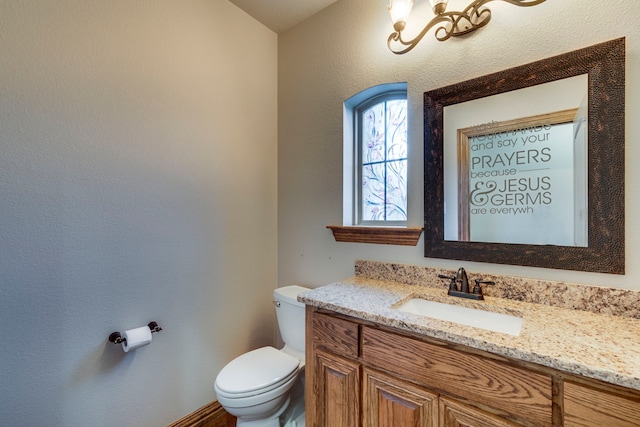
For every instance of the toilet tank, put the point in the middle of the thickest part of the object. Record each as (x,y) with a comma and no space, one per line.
(290,314)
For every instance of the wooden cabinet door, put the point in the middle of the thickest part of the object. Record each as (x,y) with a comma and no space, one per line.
(388,402)
(588,407)
(336,391)
(493,383)
(457,414)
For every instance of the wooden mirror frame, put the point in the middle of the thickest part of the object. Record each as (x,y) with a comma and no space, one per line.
(605,65)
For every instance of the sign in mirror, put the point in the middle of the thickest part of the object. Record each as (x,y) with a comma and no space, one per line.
(516,166)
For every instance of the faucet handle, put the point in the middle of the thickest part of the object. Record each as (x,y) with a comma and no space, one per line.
(477,289)
(452,284)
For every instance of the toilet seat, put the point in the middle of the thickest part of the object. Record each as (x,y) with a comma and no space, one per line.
(256,372)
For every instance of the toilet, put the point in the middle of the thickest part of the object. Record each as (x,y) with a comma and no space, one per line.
(256,387)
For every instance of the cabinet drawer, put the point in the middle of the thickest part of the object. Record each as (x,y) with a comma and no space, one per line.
(336,335)
(510,390)
(588,407)
(456,414)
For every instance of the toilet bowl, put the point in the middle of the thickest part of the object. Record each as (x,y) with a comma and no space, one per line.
(255,387)
(256,384)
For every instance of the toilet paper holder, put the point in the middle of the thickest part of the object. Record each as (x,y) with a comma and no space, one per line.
(117,338)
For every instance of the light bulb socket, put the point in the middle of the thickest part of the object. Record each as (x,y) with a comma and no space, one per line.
(438,6)
(399,26)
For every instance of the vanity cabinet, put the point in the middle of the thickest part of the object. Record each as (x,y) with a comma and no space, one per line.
(513,391)
(339,379)
(359,375)
(363,374)
(456,414)
(388,401)
(586,406)
(333,372)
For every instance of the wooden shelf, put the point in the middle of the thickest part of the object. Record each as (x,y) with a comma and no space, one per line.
(406,236)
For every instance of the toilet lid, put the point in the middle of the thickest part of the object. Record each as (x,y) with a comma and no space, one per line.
(256,370)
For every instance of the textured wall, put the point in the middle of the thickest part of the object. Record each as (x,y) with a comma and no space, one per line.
(138,150)
(342,50)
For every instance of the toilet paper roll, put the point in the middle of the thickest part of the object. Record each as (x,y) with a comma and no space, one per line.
(136,338)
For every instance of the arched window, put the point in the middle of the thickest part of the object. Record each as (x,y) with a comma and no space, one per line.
(378,145)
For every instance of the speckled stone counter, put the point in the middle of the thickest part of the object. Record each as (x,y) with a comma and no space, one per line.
(596,299)
(595,345)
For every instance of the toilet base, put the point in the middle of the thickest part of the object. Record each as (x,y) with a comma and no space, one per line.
(271,421)
(290,414)
(295,415)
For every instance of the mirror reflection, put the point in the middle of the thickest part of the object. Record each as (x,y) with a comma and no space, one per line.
(515,166)
(508,177)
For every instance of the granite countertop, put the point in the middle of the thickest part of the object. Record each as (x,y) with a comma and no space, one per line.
(593,345)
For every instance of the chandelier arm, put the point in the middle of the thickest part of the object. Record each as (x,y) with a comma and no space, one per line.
(472,17)
(410,44)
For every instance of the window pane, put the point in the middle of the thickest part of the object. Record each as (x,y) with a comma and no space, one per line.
(396,204)
(373,134)
(373,185)
(397,129)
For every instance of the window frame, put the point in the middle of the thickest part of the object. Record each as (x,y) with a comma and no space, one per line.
(385,93)
(350,232)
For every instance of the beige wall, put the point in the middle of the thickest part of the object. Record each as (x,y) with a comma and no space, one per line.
(138,153)
(342,50)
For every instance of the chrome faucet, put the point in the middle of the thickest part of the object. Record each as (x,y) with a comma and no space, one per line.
(462,290)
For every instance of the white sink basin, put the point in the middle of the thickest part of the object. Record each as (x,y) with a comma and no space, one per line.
(496,322)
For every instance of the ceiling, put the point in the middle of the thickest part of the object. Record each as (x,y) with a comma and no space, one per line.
(280,15)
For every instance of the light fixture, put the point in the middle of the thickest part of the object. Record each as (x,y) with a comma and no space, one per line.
(452,24)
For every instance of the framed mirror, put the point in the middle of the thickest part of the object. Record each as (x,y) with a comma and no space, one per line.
(526,166)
